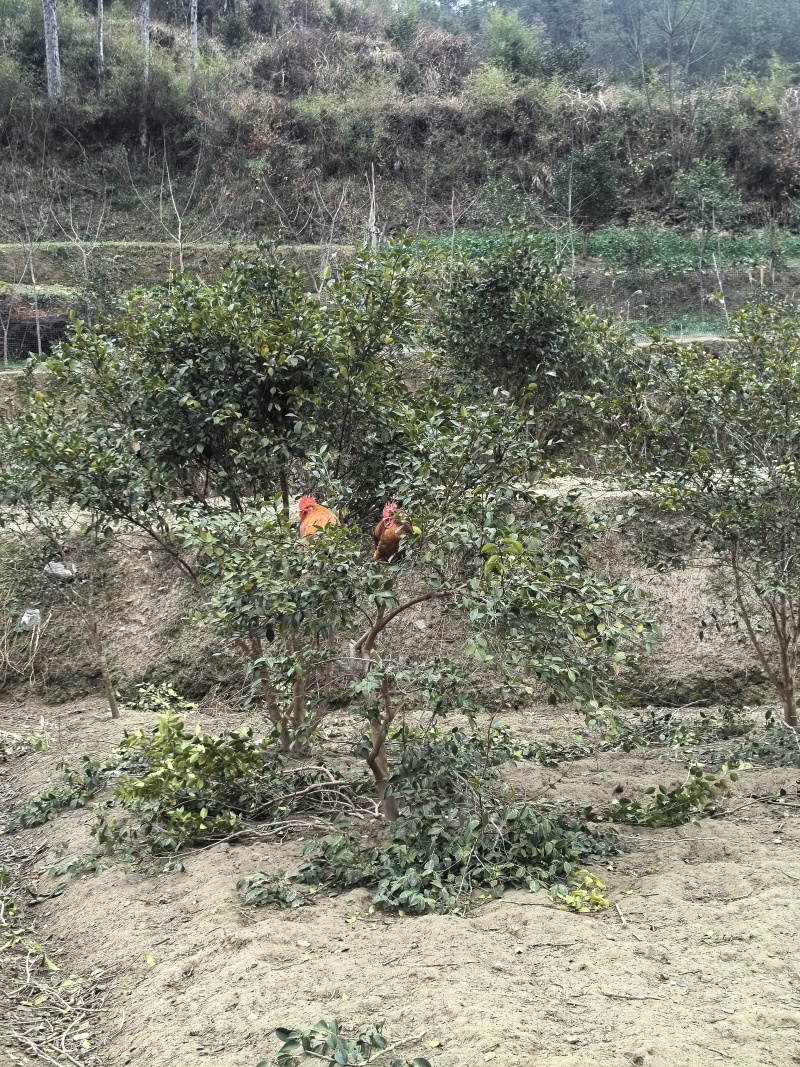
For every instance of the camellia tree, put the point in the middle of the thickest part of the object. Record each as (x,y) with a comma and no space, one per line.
(279,601)
(509,320)
(500,563)
(717,439)
(207,400)
(212,396)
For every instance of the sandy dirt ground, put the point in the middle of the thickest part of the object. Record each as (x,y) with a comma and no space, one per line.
(697,964)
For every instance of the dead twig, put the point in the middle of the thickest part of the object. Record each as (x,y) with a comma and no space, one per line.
(629,996)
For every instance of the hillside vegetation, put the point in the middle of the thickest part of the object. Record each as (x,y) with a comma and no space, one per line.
(333,117)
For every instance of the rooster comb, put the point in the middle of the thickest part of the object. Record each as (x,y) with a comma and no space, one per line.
(306,502)
(390,508)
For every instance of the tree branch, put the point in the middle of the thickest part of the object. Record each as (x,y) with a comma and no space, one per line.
(367,640)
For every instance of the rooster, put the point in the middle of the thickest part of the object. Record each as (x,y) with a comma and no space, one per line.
(390,531)
(314,517)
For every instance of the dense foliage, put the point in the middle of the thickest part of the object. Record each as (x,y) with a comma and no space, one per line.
(464,835)
(714,436)
(468,113)
(509,320)
(208,394)
(202,412)
(489,554)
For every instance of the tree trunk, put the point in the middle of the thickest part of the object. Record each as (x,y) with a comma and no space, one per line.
(101,57)
(52,59)
(253,650)
(100,652)
(379,765)
(788,695)
(790,708)
(35,290)
(193,33)
(144,38)
(298,702)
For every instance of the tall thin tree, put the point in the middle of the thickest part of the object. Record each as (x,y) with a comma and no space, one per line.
(193,32)
(52,58)
(101,57)
(144,37)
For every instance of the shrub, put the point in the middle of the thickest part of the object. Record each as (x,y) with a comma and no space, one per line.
(586,189)
(464,837)
(402,26)
(232,30)
(326,1041)
(409,78)
(709,196)
(265,16)
(483,547)
(713,436)
(77,789)
(180,787)
(512,44)
(218,392)
(510,318)
(677,806)
(489,87)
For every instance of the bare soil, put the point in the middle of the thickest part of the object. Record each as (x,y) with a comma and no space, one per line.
(696,964)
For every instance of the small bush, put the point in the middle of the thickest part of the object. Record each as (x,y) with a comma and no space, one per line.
(266,16)
(190,786)
(709,196)
(261,889)
(776,746)
(489,87)
(510,318)
(464,836)
(77,789)
(409,78)
(586,189)
(232,30)
(325,1041)
(512,44)
(674,807)
(179,787)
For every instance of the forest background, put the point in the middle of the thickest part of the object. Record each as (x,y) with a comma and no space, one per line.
(202,120)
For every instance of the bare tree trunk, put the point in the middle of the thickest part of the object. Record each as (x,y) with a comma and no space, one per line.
(35,289)
(5,324)
(52,59)
(100,652)
(101,57)
(193,33)
(788,695)
(298,701)
(253,650)
(790,703)
(372,221)
(144,37)
(379,765)
(643,77)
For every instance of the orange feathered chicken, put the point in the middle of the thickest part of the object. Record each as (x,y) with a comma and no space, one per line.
(390,531)
(314,517)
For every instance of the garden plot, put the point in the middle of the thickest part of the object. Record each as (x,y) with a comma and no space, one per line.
(694,964)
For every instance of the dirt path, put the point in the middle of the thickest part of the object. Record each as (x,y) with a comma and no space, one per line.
(697,965)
